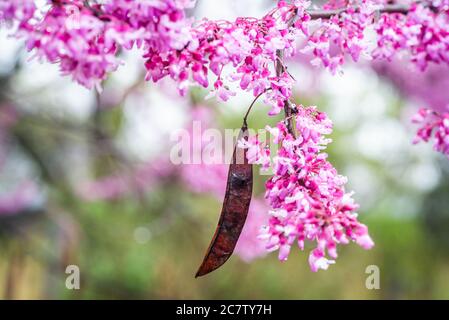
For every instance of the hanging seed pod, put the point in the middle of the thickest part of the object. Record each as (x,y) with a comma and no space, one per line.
(235,209)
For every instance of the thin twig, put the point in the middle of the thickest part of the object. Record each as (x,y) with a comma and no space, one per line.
(251,106)
(315,13)
(326,14)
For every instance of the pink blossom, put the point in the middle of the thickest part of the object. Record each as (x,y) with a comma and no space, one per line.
(20,10)
(84,40)
(317,260)
(257,153)
(307,195)
(422,33)
(248,46)
(433,125)
(341,35)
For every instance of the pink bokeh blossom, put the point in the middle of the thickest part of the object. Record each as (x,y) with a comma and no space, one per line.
(433,125)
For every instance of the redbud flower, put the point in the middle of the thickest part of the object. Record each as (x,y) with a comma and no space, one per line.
(433,124)
(306,193)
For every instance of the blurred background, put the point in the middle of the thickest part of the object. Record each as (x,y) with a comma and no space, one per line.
(85,179)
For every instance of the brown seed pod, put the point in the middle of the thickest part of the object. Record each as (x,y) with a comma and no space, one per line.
(236,203)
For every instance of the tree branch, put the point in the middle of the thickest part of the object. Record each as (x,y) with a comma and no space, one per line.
(280,69)
(245,118)
(326,14)
(389,8)
(316,13)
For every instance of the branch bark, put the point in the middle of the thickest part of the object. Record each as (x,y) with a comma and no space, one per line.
(326,14)
(280,69)
(316,13)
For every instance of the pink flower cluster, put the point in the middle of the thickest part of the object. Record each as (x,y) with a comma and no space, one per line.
(423,33)
(341,35)
(433,124)
(85,39)
(18,10)
(307,195)
(248,46)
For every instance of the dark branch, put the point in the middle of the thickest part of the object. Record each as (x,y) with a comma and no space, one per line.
(389,8)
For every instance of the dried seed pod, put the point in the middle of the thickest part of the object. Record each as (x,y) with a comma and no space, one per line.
(236,203)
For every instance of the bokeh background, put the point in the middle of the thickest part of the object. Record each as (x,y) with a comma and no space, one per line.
(85,180)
